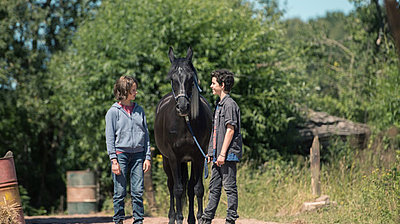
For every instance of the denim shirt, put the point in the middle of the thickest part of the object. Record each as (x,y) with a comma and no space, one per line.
(226,112)
(126,132)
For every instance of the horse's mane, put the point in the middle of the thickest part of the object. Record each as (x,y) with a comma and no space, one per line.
(194,110)
(194,105)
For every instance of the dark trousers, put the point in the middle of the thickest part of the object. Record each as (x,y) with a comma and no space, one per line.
(224,176)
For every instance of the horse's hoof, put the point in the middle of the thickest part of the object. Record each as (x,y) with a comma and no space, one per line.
(171,221)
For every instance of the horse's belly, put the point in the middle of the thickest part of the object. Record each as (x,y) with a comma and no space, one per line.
(186,158)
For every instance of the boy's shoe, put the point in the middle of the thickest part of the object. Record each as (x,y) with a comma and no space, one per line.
(229,221)
(120,222)
(138,222)
(204,221)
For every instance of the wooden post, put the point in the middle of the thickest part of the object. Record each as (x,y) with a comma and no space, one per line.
(315,167)
(149,189)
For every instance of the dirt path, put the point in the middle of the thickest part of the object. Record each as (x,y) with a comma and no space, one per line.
(107,219)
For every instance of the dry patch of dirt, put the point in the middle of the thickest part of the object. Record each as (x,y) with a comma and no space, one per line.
(107,219)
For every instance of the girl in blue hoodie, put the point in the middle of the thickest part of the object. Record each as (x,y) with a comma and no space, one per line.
(128,147)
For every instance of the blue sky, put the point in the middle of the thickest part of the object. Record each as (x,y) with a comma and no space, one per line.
(306,9)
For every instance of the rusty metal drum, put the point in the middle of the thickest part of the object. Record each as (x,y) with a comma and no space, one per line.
(9,193)
(81,192)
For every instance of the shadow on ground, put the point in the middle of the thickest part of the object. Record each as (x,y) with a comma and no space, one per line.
(40,220)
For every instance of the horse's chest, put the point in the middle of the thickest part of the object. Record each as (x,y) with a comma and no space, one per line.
(177,131)
(180,140)
(179,137)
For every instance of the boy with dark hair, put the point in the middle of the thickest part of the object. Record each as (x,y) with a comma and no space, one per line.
(128,147)
(225,148)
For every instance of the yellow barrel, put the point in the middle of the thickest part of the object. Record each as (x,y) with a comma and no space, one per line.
(9,193)
(81,192)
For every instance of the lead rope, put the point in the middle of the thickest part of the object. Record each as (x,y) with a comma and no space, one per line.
(198,146)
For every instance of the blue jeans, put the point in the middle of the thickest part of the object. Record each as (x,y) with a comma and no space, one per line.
(224,176)
(132,164)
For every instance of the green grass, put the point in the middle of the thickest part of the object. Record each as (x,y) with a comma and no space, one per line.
(365,184)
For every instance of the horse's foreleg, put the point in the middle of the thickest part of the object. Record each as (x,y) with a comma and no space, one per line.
(178,192)
(170,183)
(199,187)
(171,213)
(190,193)
(177,189)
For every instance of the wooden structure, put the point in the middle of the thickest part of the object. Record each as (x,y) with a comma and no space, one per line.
(326,127)
(315,167)
(149,188)
(321,201)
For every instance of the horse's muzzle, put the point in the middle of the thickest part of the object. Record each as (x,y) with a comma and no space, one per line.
(182,106)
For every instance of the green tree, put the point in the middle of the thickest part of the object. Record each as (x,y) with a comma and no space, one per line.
(133,37)
(31,31)
(354,74)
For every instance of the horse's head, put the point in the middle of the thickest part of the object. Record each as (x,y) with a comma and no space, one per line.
(184,84)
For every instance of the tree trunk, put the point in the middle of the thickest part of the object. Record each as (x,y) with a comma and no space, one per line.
(393,14)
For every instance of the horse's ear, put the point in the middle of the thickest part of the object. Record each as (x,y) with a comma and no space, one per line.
(189,54)
(171,55)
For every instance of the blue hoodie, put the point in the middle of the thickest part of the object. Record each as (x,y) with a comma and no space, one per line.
(126,133)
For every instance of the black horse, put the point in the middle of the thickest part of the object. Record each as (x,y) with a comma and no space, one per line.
(176,113)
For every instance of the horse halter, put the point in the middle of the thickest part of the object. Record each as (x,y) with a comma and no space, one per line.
(183,94)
